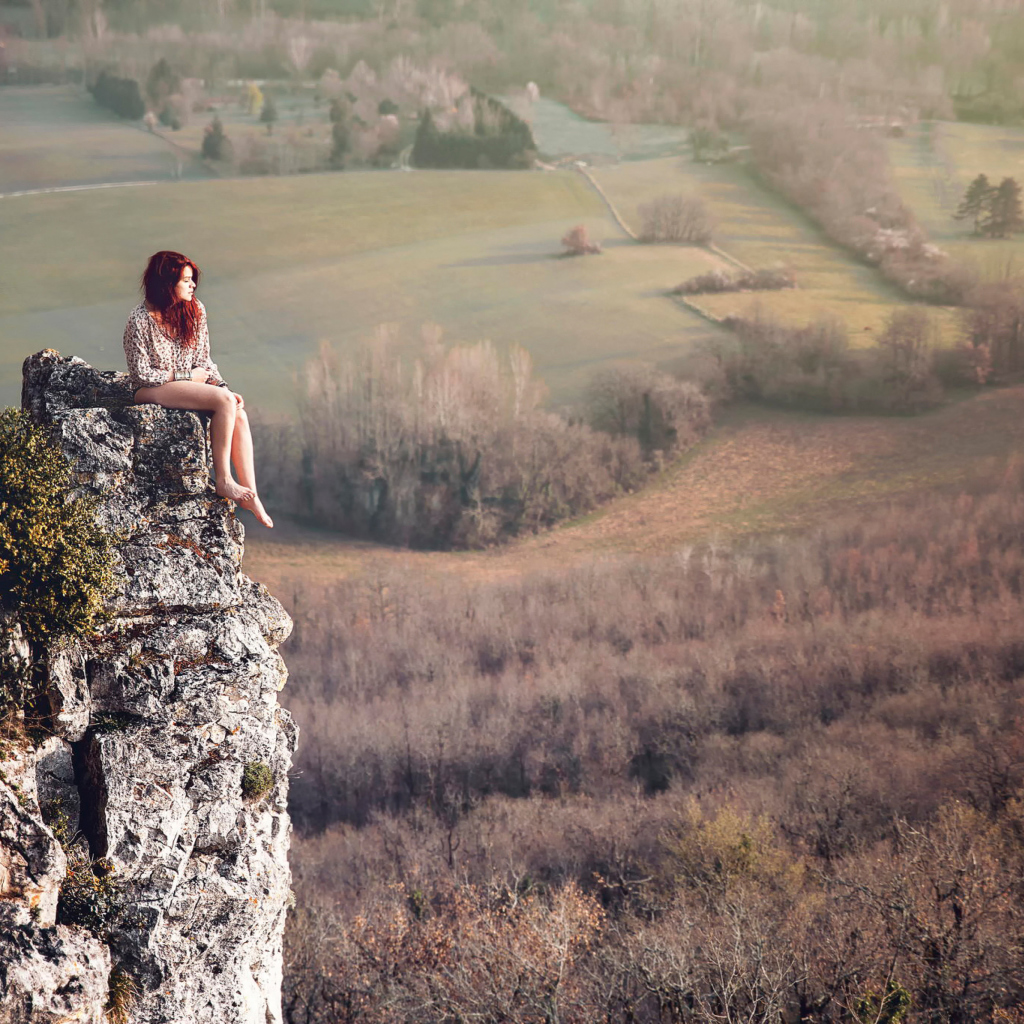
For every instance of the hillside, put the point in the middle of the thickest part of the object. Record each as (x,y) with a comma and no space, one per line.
(759,472)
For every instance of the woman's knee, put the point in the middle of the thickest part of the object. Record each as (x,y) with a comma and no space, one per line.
(223,401)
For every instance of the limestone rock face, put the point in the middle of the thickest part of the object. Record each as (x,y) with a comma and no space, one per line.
(154,721)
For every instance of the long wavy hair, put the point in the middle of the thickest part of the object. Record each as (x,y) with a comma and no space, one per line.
(159,279)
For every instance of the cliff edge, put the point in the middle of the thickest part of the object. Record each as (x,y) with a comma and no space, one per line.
(162,754)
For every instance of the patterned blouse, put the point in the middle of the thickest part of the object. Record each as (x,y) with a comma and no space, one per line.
(153,355)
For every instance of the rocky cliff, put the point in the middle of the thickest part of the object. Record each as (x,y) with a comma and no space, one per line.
(162,748)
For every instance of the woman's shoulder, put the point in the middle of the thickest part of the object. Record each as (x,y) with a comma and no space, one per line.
(138,315)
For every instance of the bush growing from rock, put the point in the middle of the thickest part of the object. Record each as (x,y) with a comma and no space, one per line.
(257,780)
(56,563)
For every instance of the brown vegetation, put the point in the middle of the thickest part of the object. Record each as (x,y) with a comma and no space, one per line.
(454,450)
(717,281)
(761,784)
(676,219)
(838,173)
(814,367)
(577,242)
(994,332)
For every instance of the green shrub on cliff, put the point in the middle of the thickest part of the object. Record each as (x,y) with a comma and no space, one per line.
(257,780)
(56,564)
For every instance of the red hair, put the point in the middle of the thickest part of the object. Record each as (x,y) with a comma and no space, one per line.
(159,279)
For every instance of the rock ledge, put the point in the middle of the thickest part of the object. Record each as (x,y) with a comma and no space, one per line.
(153,723)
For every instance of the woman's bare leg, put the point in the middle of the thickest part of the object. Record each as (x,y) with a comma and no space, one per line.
(183,394)
(241,455)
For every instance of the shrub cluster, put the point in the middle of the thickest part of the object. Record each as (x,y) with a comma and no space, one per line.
(216,144)
(257,780)
(993,340)
(676,218)
(496,138)
(577,242)
(636,400)
(454,450)
(91,895)
(813,367)
(766,781)
(121,95)
(717,281)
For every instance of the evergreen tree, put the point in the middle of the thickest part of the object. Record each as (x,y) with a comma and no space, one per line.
(1004,215)
(163,81)
(341,142)
(975,201)
(214,140)
(269,113)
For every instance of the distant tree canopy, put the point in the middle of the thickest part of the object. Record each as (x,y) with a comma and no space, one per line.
(163,81)
(498,138)
(121,95)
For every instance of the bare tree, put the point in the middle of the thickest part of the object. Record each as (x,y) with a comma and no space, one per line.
(676,219)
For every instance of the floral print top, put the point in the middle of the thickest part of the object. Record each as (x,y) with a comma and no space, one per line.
(153,355)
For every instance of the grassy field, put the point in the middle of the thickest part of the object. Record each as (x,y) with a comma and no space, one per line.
(933,165)
(761,230)
(289,262)
(57,136)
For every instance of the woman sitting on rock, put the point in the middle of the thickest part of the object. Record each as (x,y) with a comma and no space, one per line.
(167,345)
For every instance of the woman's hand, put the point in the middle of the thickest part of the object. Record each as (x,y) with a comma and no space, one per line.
(200,376)
(239,399)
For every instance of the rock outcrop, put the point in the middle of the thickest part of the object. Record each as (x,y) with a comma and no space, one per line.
(153,724)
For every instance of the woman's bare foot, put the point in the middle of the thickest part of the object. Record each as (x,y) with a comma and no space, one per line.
(235,492)
(255,506)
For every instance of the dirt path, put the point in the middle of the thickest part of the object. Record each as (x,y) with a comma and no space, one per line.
(760,472)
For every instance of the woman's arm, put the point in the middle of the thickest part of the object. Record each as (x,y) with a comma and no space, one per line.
(138,355)
(202,356)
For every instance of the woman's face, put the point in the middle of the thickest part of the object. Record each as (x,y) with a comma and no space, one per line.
(185,288)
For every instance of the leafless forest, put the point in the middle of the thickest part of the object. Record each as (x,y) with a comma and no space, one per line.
(779,782)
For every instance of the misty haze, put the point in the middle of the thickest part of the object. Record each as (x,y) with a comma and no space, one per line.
(637,388)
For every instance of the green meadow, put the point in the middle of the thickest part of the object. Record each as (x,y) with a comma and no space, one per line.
(56,136)
(292,262)
(758,228)
(933,165)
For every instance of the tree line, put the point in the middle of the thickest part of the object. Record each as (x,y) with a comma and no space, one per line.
(451,447)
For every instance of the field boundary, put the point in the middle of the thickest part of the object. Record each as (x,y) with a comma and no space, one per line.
(79,188)
(618,218)
(729,258)
(692,306)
